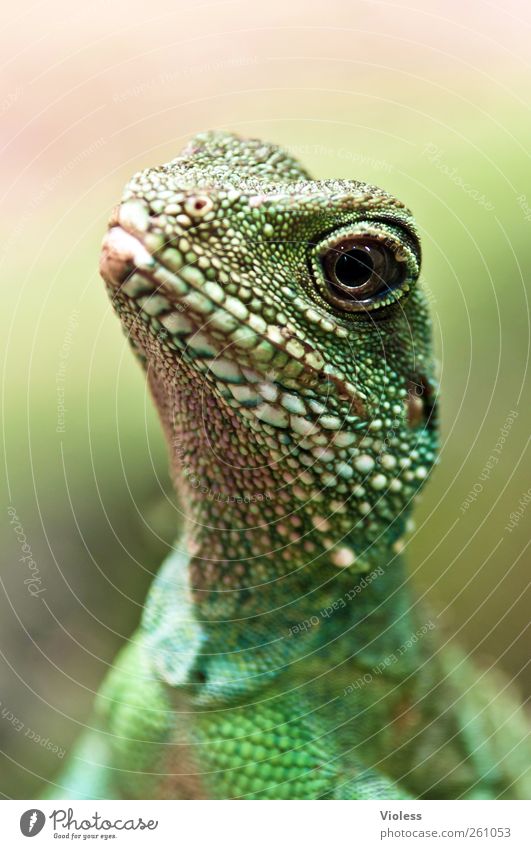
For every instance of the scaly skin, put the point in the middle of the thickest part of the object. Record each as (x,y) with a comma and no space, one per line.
(282,654)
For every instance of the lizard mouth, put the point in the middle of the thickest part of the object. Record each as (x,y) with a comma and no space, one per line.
(121,254)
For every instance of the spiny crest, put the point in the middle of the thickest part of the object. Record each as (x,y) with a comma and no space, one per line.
(226,155)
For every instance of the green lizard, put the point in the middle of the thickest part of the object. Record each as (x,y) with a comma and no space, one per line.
(282,653)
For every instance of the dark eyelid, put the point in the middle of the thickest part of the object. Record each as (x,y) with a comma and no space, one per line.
(410,234)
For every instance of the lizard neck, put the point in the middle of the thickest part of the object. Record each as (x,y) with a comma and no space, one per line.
(259,526)
(271,563)
(286,624)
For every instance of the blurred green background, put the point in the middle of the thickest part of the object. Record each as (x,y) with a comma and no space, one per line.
(429,100)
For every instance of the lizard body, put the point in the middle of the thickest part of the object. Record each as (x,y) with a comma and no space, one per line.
(282,653)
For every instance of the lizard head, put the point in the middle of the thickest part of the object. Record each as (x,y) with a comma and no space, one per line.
(282,328)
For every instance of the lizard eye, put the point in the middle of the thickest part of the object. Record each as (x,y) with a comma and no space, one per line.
(365,270)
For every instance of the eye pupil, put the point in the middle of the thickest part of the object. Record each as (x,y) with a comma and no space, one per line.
(354,268)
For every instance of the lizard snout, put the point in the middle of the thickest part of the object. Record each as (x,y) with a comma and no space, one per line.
(122,250)
(121,253)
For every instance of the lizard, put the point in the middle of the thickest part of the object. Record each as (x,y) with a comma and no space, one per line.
(282,652)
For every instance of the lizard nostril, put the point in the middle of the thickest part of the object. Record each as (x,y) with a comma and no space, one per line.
(198,205)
